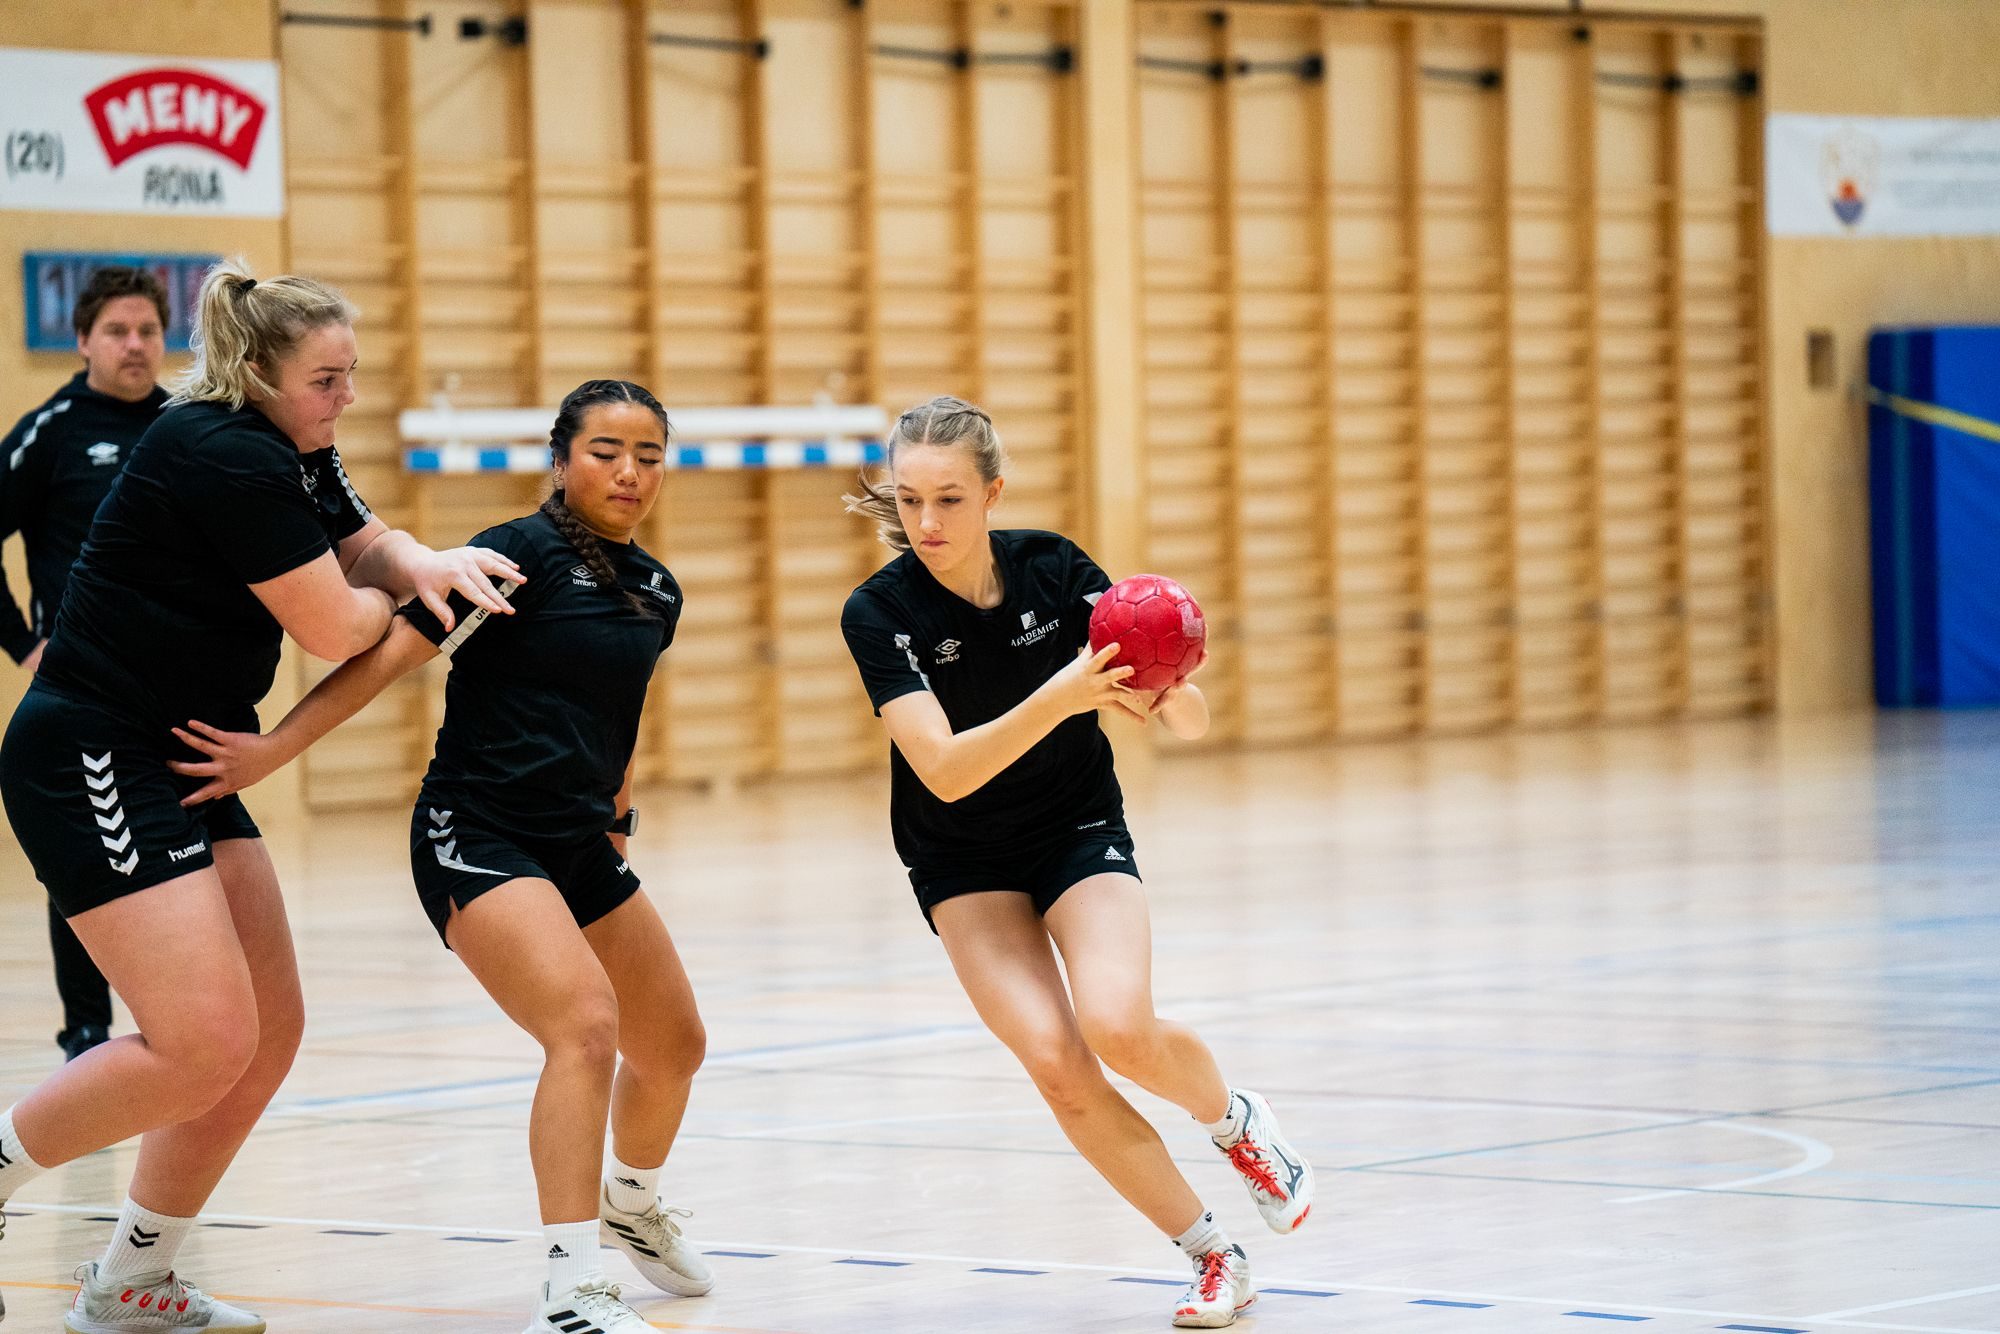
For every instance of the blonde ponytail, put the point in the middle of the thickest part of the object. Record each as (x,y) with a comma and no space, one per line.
(244,327)
(942,421)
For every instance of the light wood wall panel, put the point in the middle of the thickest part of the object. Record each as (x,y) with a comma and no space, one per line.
(1452,389)
(635,191)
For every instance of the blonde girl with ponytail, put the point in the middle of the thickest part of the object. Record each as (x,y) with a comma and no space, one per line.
(232,524)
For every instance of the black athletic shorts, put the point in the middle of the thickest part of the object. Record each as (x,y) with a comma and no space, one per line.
(95,806)
(455,858)
(1044,872)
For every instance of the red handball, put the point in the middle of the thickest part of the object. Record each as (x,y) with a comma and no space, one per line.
(1157,626)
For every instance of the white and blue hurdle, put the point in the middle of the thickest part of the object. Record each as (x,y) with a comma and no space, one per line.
(443,440)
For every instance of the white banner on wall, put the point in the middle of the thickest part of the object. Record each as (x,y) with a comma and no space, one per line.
(1881,176)
(87,132)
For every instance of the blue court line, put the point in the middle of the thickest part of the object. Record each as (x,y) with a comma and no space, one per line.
(1156,1282)
(1294,1292)
(878,1264)
(349,1232)
(1467,1306)
(241,1227)
(996,1269)
(743,1255)
(489,1241)
(1606,1315)
(1765,1329)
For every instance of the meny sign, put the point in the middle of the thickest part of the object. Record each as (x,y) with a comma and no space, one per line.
(92,133)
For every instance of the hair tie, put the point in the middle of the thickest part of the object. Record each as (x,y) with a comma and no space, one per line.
(246,284)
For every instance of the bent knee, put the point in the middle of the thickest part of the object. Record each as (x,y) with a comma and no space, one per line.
(587,1029)
(201,1061)
(1123,1038)
(1064,1070)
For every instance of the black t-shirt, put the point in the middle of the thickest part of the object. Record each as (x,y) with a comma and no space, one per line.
(158,623)
(56,467)
(541,710)
(908,632)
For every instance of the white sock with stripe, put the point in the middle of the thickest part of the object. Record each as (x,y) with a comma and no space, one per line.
(630,1189)
(144,1245)
(17,1169)
(572,1251)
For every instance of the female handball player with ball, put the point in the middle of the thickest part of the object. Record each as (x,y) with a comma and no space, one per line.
(972,645)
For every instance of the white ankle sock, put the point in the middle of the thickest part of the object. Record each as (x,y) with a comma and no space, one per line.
(1230,1127)
(1203,1238)
(572,1251)
(631,1189)
(17,1169)
(144,1244)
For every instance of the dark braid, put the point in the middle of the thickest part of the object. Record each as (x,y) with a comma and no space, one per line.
(569,420)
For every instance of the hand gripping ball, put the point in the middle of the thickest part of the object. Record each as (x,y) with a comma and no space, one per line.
(1157,626)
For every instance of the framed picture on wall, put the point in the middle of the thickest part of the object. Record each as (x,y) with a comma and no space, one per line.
(51,280)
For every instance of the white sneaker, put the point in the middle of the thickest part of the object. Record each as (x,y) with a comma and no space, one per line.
(1220,1292)
(144,1306)
(654,1244)
(591,1307)
(1279,1180)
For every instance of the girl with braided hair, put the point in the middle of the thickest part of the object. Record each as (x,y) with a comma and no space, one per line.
(517,857)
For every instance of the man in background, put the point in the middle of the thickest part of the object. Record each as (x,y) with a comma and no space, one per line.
(55,467)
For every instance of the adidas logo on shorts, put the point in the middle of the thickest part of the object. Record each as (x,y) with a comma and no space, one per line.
(1113,855)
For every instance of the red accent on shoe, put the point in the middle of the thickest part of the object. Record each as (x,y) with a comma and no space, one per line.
(1214,1266)
(183,1306)
(145,1301)
(1186,1310)
(1302,1218)
(1246,1158)
(127,1297)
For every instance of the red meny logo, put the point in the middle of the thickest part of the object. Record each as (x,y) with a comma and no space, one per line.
(153,107)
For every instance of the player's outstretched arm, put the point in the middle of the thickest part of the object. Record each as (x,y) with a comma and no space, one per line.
(956,764)
(237,760)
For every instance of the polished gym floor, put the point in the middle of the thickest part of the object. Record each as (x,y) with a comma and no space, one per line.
(1693,1027)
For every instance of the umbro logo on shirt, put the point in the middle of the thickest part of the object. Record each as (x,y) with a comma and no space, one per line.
(103,453)
(582,577)
(948,651)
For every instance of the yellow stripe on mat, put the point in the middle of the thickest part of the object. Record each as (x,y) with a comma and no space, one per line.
(1931,414)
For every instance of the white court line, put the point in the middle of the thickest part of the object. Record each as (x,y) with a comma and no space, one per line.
(916,1257)
(1818,1155)
(1913,1301)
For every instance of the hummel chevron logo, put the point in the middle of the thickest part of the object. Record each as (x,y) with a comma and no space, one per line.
(5,1161)
(438,833)
(125,867)
(98,784)
(140,1239)
(440,818)
(122,842)
(110,822)
(448,849)
(98,765)
(107,801)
